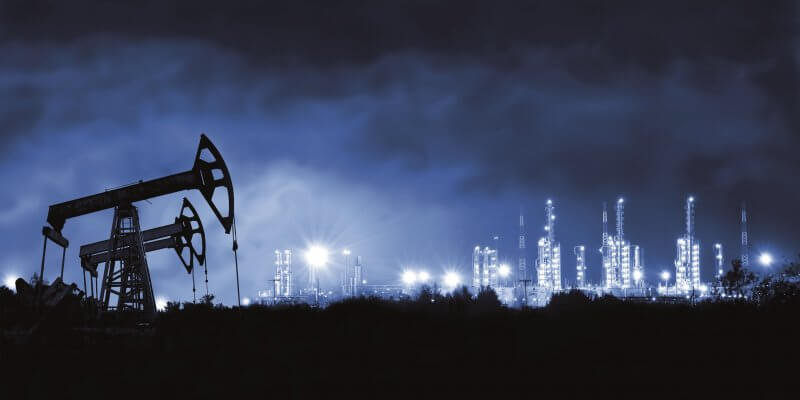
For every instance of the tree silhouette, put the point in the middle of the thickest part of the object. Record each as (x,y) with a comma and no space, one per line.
(780,289)
(487,299)
(574,299)
(35,280)
(207,300)
(172,306)
(737,281)
(425,295)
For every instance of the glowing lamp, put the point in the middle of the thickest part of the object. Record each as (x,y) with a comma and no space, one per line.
(452,279)
(317,256)
(423,276)
(409,277)
(504,270)
(765,259)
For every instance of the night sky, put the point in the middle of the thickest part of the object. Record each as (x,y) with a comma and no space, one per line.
(408,132)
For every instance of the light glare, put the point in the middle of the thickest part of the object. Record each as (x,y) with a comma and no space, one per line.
(452,279)
(504,271)
(161,303)
(11,282)
(317,256)
(409,277)
(765,259)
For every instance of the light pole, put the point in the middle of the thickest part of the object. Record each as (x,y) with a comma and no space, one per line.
(316,257)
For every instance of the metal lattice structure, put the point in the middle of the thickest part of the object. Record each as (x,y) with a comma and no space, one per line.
(126,281)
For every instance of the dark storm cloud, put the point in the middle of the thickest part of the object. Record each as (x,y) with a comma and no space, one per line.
(598,44)
(21,106)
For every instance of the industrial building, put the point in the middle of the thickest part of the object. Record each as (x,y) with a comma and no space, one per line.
(352,277)
(485,268)
(623,267)
(687,261)
(580,266)
(548,264)
(283,285)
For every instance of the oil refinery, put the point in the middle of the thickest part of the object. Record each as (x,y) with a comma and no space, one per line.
(621,268)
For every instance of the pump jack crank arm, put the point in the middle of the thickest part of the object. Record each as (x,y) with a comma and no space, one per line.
(200,177)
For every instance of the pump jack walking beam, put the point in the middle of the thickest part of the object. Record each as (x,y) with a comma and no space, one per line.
(200,177)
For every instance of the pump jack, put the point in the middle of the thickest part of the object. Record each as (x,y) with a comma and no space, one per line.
(178,236)
(128,243)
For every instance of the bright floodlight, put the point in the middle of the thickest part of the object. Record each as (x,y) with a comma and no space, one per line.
(423,276)
(246,301)
(504,270)
(317,256)
(691,199)
(621,200)
(452,279)
(765,259)
(637,275)
(161,303)
(346,252)
(11,282)
(665,275)
(409,277)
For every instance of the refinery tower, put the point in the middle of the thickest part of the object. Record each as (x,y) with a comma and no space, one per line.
(283,274)
(548,264)
(687,261)
(622,262)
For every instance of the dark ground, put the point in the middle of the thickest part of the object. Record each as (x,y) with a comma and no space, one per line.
(373,349)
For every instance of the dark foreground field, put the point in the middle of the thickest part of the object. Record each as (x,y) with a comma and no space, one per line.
(372,349)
